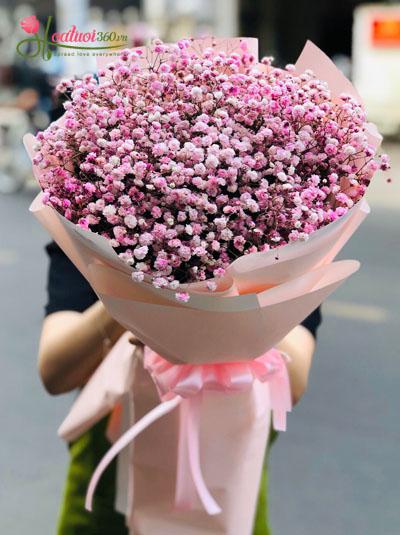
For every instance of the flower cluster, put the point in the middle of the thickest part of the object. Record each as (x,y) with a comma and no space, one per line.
(186,160)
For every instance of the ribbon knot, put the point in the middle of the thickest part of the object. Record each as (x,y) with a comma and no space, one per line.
(184,385)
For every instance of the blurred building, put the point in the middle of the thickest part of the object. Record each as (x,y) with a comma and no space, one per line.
(376,63)
(281,25)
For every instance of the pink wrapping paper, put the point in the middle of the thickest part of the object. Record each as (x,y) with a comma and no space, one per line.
(111,381)
(183,334)
(234,432)
(212,327)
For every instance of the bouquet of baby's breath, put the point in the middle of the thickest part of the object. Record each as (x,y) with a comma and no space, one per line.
(187,160)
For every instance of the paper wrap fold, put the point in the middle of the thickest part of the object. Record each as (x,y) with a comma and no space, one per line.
(259,300)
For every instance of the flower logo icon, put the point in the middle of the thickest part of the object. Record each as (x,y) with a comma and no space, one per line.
(30,24)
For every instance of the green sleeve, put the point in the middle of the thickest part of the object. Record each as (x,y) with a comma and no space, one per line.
(85,454)
(261,521)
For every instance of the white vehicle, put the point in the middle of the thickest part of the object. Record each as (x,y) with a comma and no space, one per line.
(376,63)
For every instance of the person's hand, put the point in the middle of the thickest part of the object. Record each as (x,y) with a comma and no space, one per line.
(134,340)
(299,344)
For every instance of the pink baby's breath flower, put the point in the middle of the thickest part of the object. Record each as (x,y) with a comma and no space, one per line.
(160,282)
(161,263)
(183,297)
(146,238)
(89,187)
(219,273)
(84,223)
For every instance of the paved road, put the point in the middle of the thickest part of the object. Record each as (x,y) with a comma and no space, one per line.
(336,470)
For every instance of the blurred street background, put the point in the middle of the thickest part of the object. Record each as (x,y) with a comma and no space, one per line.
(336,471)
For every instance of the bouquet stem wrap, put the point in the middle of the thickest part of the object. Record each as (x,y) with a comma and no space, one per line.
(184,385)
(225,407)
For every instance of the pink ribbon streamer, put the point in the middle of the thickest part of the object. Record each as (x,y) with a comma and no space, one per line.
(189,460)
(183,385)
(124,440)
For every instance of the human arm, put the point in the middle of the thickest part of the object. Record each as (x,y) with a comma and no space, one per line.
(299,344)
(75,327)
(72,346)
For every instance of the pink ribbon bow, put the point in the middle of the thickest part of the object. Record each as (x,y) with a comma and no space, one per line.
(183,385)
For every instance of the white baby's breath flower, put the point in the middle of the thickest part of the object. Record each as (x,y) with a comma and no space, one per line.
(114,161)
(212,286)
(137,276)
(130,221)
(141,252)
(109,210)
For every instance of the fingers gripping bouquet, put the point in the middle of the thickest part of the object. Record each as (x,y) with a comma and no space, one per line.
(204,195)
